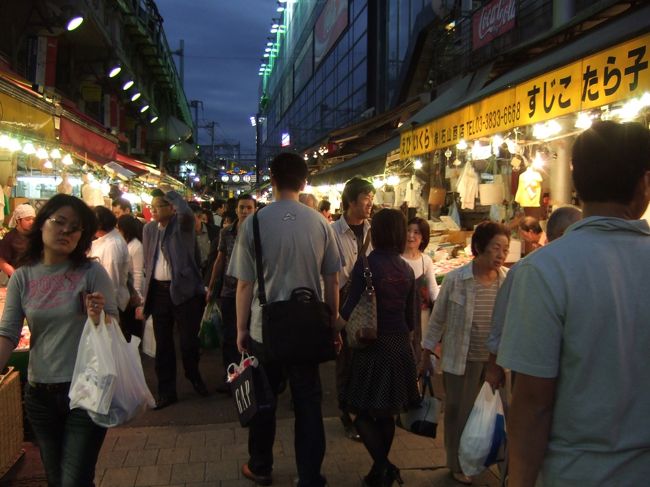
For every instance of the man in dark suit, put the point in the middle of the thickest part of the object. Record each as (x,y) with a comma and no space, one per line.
(173,291)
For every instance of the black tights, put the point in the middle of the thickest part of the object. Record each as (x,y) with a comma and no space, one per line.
(377,435)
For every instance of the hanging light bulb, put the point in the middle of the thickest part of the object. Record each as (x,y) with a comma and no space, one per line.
(128,85)
(378,183)
(583,121)
(74,22)
(4,141)
(14,145)
(41,153)
(144,109)
(512,146)
(392,180)
(29,149)
(48,164)
(115,71)
(55,154)
(417,164)
(136,96)
(67,160)
(462,145)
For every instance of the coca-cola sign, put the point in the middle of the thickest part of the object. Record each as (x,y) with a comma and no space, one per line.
(493,20)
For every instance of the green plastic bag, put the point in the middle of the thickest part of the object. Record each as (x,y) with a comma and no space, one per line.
(210,326)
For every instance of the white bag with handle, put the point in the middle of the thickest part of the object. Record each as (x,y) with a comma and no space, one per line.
(132,395)
(93,378)
(484,432)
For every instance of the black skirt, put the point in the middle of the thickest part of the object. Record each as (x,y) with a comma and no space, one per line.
(382,378)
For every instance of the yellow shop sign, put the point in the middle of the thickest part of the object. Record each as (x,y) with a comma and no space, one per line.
(609,76)
(19,117)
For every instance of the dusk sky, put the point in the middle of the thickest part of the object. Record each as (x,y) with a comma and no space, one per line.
(224,43)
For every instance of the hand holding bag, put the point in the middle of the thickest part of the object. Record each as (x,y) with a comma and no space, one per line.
(93,378)
(423,419)
(210,324)
(484,433)
(361,328)
(298,330)
(250,388)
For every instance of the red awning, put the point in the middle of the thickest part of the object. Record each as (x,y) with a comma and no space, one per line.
(86,135)
(134,165)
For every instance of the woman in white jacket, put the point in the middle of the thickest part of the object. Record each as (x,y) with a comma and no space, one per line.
(131,230)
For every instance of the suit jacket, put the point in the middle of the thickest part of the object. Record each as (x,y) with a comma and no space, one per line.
(179,245)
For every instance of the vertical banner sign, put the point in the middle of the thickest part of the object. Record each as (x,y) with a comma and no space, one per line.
(610,76)
(493,20)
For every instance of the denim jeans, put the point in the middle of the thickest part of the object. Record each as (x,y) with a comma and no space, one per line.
(69,441)
(309,440)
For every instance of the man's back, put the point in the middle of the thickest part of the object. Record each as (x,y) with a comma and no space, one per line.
(298,246)
(579,311)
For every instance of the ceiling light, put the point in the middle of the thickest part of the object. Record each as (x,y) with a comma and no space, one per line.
(154,119)
(417,164)
(42,153)
(280,8)
(128,84)
(115,71)
(48,164)
(74,22)
(55,154)
(29,148)
(67,160)
(144,109)
(136,96)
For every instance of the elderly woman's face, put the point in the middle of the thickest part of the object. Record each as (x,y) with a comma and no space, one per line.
(496,251)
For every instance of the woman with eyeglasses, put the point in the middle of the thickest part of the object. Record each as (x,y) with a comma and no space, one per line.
(56,290)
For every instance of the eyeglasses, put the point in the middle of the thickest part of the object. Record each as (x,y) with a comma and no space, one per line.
(63,225)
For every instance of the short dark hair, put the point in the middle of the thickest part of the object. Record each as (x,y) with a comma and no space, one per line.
(122,203)
(289,171)
(561,219)
(246,196)
(324,205)
(130,227)
(388,230)
(353,188)
(230,215)
(87,220)
(157,193)
(195,207)
(484,233)
(425,231)
(208,214)
(609,159)
(530,224)
(106,220)
(218,203)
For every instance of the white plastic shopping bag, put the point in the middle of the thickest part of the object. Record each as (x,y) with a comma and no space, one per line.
(148,339)
(484,433)
(132,396)
(93,378)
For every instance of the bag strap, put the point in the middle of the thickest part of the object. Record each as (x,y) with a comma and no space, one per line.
(367,274)
(261,293)
(427,384)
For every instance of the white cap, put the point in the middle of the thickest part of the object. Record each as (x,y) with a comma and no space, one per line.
(21,211)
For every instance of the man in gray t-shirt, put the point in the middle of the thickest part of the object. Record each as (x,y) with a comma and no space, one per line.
(299,247)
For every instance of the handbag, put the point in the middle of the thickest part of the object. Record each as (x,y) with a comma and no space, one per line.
(250,388)
(361,328)
(298,330)
(423,419)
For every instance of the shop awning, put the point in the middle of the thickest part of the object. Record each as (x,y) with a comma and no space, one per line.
(83,134)
(24,112)
(370,163)
(121,172)
(134,165)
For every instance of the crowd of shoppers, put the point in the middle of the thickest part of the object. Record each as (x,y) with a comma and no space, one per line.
(572,310)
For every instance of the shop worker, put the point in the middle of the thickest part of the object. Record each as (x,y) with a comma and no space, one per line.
(299,248)
(173,291)
(351,231)
(531,233)
(576,331)
(14,244)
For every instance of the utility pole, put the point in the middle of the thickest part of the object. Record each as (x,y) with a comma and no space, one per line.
(180,52)
(195,133)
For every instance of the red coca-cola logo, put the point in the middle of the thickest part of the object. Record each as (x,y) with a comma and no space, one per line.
(493,20)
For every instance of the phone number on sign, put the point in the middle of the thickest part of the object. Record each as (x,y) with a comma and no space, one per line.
(496,118)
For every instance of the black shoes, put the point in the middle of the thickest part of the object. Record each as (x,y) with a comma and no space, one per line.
(382,476)
(164,401)
(200,388)
(258,479)
(348,426)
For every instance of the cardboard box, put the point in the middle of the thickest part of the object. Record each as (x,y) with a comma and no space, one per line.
(11,421)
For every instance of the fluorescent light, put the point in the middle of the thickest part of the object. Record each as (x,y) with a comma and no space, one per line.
(74,22)
(144,109)
(154,119)
(136,96)
(128,84)
(115,71)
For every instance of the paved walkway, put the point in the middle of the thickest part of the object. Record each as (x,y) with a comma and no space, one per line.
(212,455)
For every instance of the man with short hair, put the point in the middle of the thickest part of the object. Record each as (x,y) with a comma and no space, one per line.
(14,244)
(576,331)
(299,247)
(224,286)
(206,239)
(531,233)
(121,206)
(109,248)
(351,231)
(173,291)
(324,208)
(218,207)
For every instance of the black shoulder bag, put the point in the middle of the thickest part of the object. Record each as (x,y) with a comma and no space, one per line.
(296,331)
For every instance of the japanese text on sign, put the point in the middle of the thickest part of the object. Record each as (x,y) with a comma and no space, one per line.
(609,76)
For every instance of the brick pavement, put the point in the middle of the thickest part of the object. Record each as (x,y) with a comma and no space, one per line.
(212,455)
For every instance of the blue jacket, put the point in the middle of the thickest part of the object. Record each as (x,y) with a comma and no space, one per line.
(179,244)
